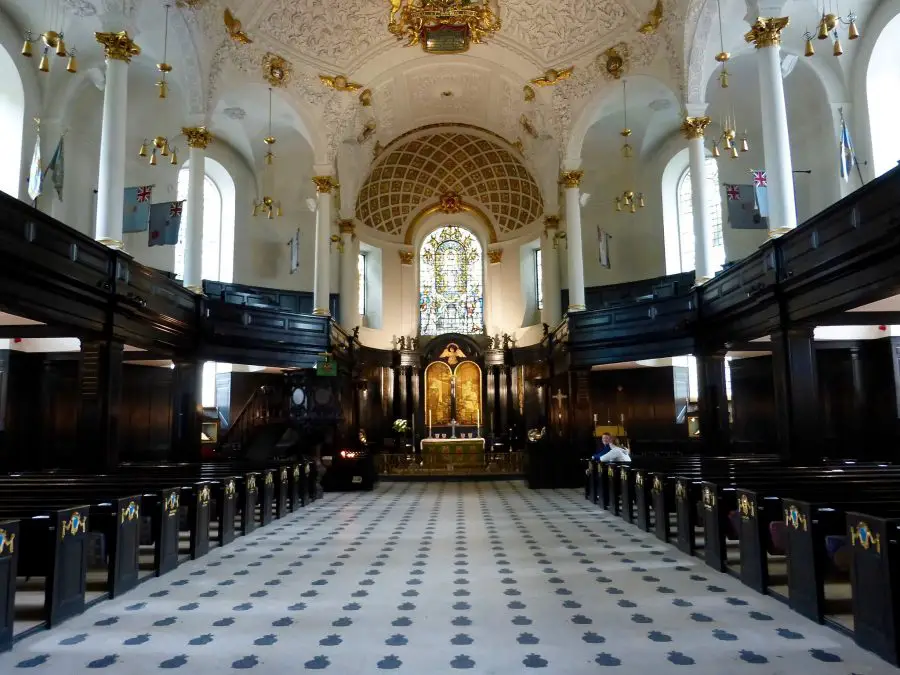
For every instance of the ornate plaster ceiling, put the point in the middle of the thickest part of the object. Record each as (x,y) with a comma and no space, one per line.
(419,171)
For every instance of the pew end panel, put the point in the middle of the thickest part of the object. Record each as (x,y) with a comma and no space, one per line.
(9,557)
(716,503)
(199,515)
(67,581)
(662,498)
(167,529)
(806,526)
(686,512)
(641,501)
(124,565)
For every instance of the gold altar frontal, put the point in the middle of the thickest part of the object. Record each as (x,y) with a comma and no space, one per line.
(453,454)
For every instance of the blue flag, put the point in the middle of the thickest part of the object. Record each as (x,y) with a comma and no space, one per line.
(847,157)
(57,168)
(165,222)
(136,216)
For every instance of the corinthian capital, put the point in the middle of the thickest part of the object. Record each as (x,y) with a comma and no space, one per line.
(766,32)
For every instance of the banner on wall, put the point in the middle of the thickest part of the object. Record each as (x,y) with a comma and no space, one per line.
(294,245)
(165,223)
(742,211)
(136,214)
(604,237)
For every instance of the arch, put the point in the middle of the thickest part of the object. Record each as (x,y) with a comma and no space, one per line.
(604,100)
(12,120)
(882,87)
(451,282)
(440,207)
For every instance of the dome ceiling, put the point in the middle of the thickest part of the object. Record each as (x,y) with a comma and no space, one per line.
(419,171)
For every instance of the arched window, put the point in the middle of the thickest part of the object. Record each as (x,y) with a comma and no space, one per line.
(12,117)
(883,92)
(685,197)
(451,283)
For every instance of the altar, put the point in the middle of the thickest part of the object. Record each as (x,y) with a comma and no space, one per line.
(453,454)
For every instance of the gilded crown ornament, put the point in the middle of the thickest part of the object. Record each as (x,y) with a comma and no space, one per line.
(443,26)
(766,32)
(118,46)
(339,83)
(551,77)
(235,29)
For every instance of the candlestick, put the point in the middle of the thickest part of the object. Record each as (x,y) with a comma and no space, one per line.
(430,431)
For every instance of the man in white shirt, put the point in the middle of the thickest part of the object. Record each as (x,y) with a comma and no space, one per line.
(609,452)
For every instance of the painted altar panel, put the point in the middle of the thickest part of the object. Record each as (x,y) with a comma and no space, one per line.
(468,394)
(437,394)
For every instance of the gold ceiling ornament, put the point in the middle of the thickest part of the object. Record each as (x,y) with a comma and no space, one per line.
(528,93)
(365,98)
(324,184)
(339,83)
(654,19)
(766,32)
(495,256)
(406,256)
(443,26)
(276,70)
(694,127)
(571,179)
(235,29)
(615,61)
(118,46)
(527,125)
(553,76)
(451,202)
(197,137)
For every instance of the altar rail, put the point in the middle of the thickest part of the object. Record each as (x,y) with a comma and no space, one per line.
(409,464)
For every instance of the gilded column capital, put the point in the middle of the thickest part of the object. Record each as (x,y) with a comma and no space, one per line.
(118,46)
(766,32)
(571,179)
(197,137)
(495,256)
(324,184)
(346,227)
(406,256)
(694,127)
(551,223)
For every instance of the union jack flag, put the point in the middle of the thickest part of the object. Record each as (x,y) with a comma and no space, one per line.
(144,193)
(733,192)
(760,179)
(175,209)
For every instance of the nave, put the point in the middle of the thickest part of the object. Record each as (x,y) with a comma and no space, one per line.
(488,577)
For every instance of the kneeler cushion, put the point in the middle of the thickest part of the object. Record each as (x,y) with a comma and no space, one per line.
(777,538)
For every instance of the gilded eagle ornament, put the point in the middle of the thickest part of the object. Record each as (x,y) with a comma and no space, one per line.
(553,76)
(235,29)
(339,83)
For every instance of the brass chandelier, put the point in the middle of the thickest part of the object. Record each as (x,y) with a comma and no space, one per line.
(161,145)
(729,137)
(269,206)
(629,200)
(828,26)
(51,40)
(164,68)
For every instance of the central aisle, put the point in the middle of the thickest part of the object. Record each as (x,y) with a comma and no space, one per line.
(434,578)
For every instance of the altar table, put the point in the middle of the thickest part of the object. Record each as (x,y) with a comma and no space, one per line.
(453,453)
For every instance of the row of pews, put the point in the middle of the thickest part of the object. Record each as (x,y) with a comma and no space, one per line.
(65,534)
(823,538)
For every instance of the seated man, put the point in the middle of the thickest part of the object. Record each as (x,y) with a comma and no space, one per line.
(609,452)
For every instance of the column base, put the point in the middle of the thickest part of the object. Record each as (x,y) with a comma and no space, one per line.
(576,308)
(699,281)
(195,289)
(774,234)
(112,243)
(318,311)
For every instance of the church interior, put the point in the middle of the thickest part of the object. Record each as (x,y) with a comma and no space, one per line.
(436,335)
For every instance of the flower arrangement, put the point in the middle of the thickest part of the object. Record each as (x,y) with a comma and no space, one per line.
(401,426)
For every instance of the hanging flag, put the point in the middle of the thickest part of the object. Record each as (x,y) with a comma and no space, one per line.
(294,243)
(136,214)
(742,212)
(56,168)
(165,223)
(36,174)
(603,237)
(847,157)
(761,189)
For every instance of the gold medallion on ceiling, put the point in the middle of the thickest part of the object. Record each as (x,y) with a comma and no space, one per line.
(276,70)
(443,26)
(615,61)
(235,29)
(654,19)
(339,83)
(451,202)
(551,77)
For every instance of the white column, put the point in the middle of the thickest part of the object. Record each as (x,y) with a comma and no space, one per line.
(571,181)
(349,287)
(197,138)
(765,33)
(322,287)
(693,128)
(494,321)
(119,49)
(552,311)
(409,294)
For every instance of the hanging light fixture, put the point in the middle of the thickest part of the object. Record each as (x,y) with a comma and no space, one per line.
(164,68)
(829,25)
(269,206)
(723,56)
(729,140)
(629,200)
(51,40)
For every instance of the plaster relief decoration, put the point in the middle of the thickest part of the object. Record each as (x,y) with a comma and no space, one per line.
(443,26)
(552,76)
(339,83)
(448,163)
(80,8)
(276,70)
(427,94)
(235,29)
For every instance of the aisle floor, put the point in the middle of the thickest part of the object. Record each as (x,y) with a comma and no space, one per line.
(433,578)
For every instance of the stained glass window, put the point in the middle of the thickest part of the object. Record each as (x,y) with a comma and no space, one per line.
(451,283)
(539,278)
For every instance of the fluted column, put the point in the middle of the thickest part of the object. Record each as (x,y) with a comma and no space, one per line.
(765,34)
(322,287)
(552,311)
(571,181)
(119,49)
(693,129)
(198,138)
(349,276)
